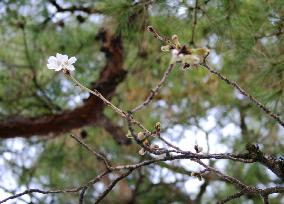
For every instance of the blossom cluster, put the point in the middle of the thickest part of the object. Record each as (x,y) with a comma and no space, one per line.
(185,55)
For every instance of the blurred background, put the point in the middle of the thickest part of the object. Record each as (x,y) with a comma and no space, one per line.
(39,108)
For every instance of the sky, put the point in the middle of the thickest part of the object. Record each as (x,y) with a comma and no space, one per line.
(25,154)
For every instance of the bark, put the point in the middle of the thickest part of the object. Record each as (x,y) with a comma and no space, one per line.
(89,113)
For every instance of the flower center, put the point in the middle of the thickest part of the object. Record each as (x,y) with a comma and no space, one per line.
(64,65)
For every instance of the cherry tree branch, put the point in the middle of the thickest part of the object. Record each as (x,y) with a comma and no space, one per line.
(110,187)
(243,92)
(155,90)
(172,152)
(130,167)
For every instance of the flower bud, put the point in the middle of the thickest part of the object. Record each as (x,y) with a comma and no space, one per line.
(165,48)
(193,174)
(141,136)
(154,146)
(176,41)
(200,51)
(191,59)
(146,142)
(198,149)
(158,126)
(142,152)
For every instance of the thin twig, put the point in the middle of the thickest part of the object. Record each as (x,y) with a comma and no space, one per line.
(100,156)
(155,90)
(131,167)
(243,92)
(98,94)
(110,187)
(194,22)
(246,189)
(265,199)
(231,197)
(168,143)
(82,194)
(107,102)
(71,190)
(157,35)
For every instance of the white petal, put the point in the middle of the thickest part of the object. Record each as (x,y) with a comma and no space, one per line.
(175,52)
(58,68)
(61,58)
(52,60)
(51,66)
(191,59)
(72,60)
(65,58)
(58,55)
(70,68)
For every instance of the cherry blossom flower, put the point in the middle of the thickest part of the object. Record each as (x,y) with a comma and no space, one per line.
(61,62)
(191,59)
(176,57)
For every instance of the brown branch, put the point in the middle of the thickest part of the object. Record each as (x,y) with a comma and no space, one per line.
(110,187)
(194,23)
(96,154)
(276,165)
(265,199)
(243,92)
(155,90)
(82,194)
(231,197)
(89,113)
(71,190)
(168,143)
(201,191)
(250,190)
(245,189)
(157,35)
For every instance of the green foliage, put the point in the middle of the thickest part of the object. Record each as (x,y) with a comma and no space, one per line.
(246,42)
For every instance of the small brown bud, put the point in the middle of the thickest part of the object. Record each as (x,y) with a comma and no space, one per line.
(197,175)
(141,136)
(193,173)
(146,142)
(142,152)
(154,146)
